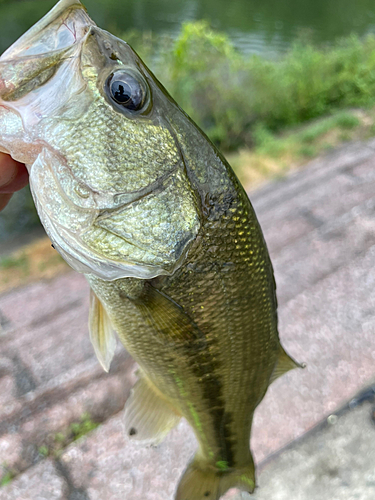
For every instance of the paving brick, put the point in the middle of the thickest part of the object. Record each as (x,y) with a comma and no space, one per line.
(290,208)
(50,375)
(8,401)
(312,177)
(319,226)
(10,451)
(331,327)
(107,466)
(55,347)
(50,411)
(324,250)
(41,482)
(335,461)
(38,302)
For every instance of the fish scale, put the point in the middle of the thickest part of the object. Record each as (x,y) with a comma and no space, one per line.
(134,195)
(87,131)
(239,318)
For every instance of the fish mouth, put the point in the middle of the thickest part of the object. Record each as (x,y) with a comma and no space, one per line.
(50,47)
(65,24)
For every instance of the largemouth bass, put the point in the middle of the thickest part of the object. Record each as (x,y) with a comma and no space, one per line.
(134,195)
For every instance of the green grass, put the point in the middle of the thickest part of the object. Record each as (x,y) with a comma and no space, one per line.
(55,445)
(43,451)
(306,141)
(80,429)
(7,478)
(20,262)
(273,154)
(347,121)
(59,437)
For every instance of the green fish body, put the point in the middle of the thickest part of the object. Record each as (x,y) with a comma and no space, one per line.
(135,196)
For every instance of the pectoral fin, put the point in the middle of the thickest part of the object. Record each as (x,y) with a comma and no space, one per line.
(101,332)
(284,364)
(171,324)
(148,415)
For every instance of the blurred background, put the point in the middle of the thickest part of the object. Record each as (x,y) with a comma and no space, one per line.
(286,90)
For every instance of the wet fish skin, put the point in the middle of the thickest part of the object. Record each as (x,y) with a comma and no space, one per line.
(145,206)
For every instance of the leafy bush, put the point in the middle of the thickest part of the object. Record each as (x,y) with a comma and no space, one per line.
(231,95)
(206,78)
(310,82)
(206,75)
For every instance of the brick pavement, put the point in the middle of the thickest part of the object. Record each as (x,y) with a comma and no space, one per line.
(336,460)
(320,227)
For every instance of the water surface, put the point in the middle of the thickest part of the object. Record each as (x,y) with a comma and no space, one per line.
(267,26)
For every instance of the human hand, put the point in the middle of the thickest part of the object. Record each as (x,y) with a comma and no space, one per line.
(13,177)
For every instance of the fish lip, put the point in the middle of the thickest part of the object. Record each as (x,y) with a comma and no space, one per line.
(58,36)
(35,34)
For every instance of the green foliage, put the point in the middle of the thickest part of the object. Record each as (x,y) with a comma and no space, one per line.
(236,98)
(203,72)
(15,262)
(7,478)
(306,141)
(43,451)
(55,444)
(347,121)
(206,78)
(310,82)
(80,429)
(59,437)
(149,46)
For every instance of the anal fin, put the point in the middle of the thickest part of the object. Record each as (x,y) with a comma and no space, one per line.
(284,364)
(102,334)
(148,415)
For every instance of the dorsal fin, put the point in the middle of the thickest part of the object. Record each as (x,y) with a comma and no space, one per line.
(102,334)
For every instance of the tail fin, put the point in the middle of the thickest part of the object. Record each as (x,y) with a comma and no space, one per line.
(210,484)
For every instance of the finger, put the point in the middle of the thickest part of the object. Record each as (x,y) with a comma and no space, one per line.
(8,169)
(13,175)
(4,198)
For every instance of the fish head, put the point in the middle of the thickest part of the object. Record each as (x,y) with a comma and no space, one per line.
(91,123)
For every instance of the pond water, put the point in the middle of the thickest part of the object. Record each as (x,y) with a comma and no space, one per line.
(267,26)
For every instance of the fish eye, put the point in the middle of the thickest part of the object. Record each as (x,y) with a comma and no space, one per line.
(126,90)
